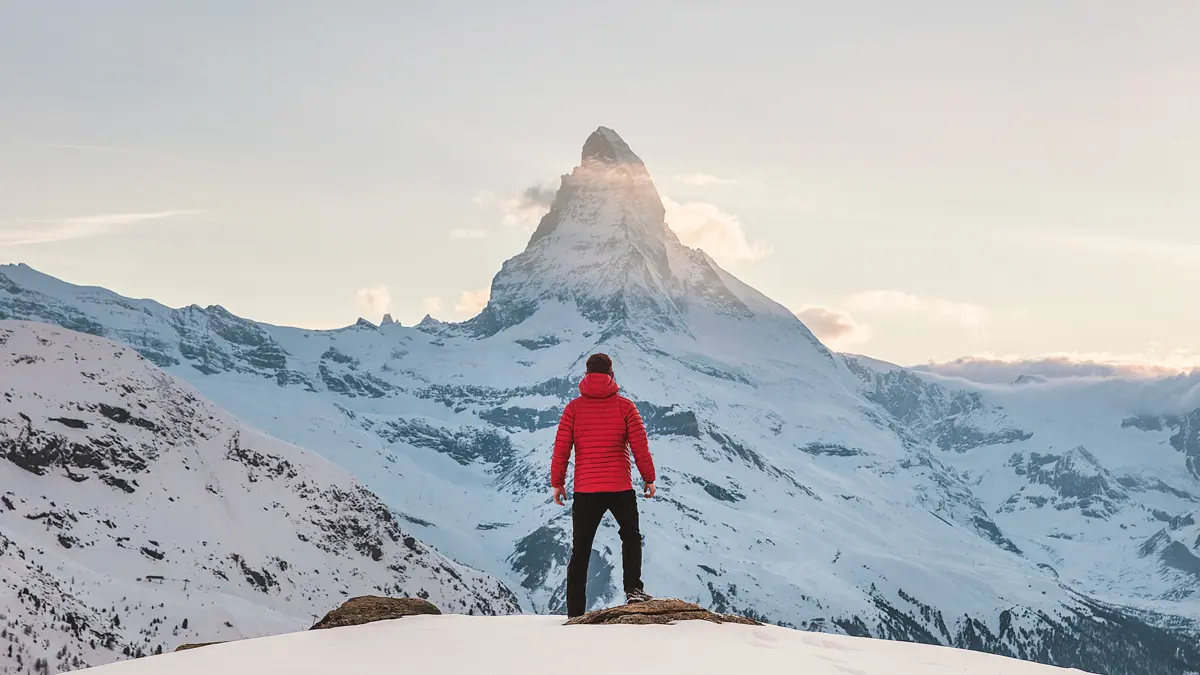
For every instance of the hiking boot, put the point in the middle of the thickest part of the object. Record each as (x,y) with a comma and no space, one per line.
(637,596)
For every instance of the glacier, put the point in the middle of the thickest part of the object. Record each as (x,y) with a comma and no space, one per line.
(1051,521)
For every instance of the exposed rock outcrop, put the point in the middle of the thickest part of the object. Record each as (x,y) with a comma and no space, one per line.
(368,608)
(666,611)
(196,644)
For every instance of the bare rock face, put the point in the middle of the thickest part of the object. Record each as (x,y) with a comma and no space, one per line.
(194,645)
(368,608)
(360,610)
(667,610)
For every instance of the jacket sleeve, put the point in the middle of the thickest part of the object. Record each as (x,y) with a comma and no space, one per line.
(635,431)
(563,441)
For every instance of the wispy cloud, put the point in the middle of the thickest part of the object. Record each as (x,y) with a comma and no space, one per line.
(705,180)
(705,226)
(527,208)
(83,147)
(523,210)
(835,327)
(893,301)
(374,301)
(471,303)
(991,368)
(697,224)
(468,234)
(1105,244)
(80,227)
(432,305)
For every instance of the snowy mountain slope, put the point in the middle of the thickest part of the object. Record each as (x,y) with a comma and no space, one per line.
(801,486)
(135,516)
(1104,489)
(433,645)
(605,248)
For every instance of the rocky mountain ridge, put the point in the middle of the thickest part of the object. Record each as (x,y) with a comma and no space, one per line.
(134,514)
(799,486)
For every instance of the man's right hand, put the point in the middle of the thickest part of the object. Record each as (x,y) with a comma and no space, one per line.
(560,493)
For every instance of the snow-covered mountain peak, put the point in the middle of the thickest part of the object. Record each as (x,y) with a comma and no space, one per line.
(605,250)
(1026,378)
(1054,522)
(605,145)
(609,194)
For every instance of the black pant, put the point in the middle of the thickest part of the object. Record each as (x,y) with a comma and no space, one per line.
(587,510)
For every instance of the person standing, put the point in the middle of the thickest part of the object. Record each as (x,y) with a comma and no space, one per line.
(603,428)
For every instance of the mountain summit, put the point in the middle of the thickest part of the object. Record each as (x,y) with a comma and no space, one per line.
(823,491)
(605,145)
(605,250)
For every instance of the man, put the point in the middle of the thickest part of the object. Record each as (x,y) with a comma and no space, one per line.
(602,427)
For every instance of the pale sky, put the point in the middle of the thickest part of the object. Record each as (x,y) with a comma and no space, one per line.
(919,180)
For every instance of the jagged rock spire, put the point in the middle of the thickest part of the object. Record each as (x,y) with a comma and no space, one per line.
(604,247)
(605,145)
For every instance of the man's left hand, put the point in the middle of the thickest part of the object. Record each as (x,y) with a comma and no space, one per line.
(650,490)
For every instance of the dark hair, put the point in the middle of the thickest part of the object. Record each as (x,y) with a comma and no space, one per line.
(599,363)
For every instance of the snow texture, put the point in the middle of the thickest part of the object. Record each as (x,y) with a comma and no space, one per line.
(433,645)
(1051,521)
(135,515)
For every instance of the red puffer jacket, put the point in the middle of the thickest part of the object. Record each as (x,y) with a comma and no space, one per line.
(602,427)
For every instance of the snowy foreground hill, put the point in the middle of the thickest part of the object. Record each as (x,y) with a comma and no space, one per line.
(1049,521)
(135,515)
(433,645)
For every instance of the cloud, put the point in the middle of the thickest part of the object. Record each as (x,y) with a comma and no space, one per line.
(82,147)
(995,369)
(471,303)
(523,210)
(526,209)
(705,180)
(432,305)
(834,327)
(539,195)
(1127,247)
(374,301)
(892,301)
(706,227)
(468,234)
(697,224)
(81,227)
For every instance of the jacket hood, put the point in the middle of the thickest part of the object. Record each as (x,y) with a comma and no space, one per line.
(598,385)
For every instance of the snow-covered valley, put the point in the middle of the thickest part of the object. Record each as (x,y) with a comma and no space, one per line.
(1053,521)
